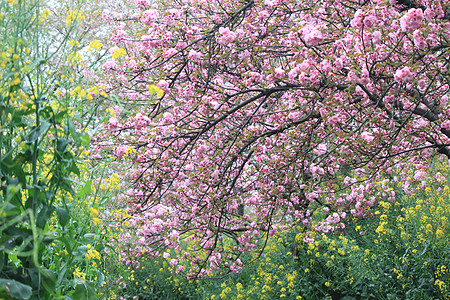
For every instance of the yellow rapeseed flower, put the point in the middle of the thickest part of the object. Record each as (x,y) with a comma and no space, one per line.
(94,45)
(153,89)
(120,52)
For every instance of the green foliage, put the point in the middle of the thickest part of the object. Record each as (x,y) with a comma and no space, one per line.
(50,240)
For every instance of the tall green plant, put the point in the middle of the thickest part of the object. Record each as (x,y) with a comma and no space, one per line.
(41,140)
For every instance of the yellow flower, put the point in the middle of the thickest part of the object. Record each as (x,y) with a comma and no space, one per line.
(153,89)
(130,150)
(94,45)
(327,284)
(74,15)
(93,212)
(120,52)
(79,274)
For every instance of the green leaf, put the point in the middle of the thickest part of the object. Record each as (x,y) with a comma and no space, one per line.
(61,274)
(36,62)
(10,210)
(2,260)
(60,116)
(85,190)
(85,139)
(100,279)
(66,185)
(16,289)
(73,131)
(90,236)
(63,215)
(65,242)
(85,291)
(48,279)
(38,131)
(20,159)
(81,251)
(61,145)
(44,216)
(74,168)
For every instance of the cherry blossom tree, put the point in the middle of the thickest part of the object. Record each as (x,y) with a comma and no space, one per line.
(241,118)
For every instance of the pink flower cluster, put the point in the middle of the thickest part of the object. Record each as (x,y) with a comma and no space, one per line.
(419,40)
(149,16)
(109,65)
(312,36)
(142,3)
(412,20)
(195,55)
(361,19)
(226,36)
(404,75)
(367,136)
(446,125)
(140,121)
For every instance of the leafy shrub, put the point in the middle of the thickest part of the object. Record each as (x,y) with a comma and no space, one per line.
(50,241)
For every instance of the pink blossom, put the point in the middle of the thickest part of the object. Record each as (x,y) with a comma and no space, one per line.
(106,15)
(293,115)
(141,121)
(226,36)
(272,230)
(112,124)
(404,75)
(194,55)
(376,37)
(446,125)
(307,239)
(367,136)
(412,20)
(120,151)
(419,40)
(419,175)
(109,65)
(338,64)
(369,21)
(429,14)
(320,149)
(357,21)
(142,3)
(118,36)
(269,3)
(279,72)
(117,110)
(259,80)
(163,85)
(421,84)
(167,118)
(312,36)
(149,16)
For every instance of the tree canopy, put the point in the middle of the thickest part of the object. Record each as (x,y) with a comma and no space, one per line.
(238,118)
